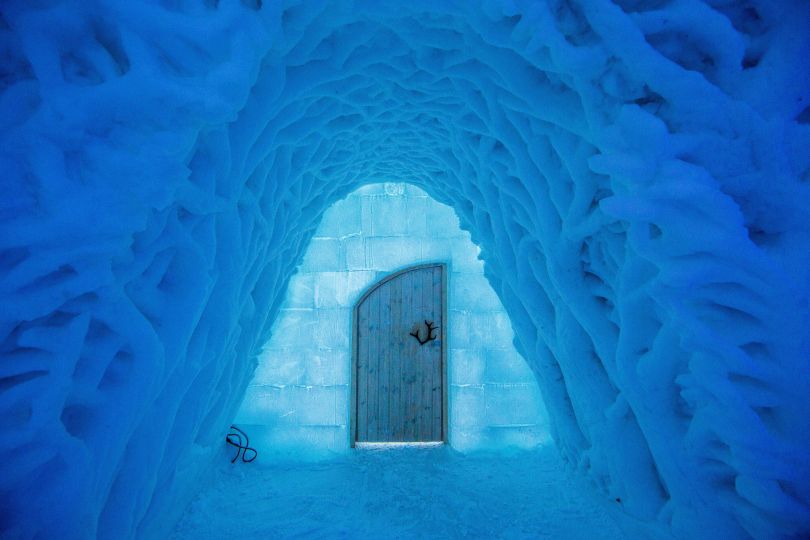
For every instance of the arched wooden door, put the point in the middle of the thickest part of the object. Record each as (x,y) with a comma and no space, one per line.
(399,386)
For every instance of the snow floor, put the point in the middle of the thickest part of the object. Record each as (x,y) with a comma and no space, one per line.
(407,492)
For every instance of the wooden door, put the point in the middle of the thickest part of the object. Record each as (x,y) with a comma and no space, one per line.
(399,379)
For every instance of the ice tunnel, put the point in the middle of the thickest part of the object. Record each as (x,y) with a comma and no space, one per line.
(635,173)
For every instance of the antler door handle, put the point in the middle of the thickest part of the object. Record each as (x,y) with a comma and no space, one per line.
(430,336)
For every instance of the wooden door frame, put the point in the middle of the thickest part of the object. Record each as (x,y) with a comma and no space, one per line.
(355,343)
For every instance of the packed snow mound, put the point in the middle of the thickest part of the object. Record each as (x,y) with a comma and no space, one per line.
(636,174)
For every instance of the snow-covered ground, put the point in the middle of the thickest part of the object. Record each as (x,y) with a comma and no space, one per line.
(409,492)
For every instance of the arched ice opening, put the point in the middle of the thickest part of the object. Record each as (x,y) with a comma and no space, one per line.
(298,403)
(634,171)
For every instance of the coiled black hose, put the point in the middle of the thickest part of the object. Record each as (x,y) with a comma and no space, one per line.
(239,439)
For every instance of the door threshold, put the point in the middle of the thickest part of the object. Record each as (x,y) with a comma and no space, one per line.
(414,444)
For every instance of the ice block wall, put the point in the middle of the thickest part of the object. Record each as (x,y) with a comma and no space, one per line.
(636,173)
(297,404)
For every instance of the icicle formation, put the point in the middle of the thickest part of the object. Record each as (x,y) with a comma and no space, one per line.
(636,173)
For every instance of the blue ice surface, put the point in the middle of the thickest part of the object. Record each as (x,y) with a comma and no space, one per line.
(635,173)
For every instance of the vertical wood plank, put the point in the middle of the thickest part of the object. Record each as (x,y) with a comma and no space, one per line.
(384,334)
(405,352)
(353,377)
(427,381)
(430,366)
(436,366)
(408,355)
(419,364)
(427,405)
(419,316)
(373,365)
(395,386)
(415,380)
(424,378)
(362,373)
(419,312)
(445,367)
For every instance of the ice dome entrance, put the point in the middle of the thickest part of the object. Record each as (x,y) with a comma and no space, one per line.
(299,402)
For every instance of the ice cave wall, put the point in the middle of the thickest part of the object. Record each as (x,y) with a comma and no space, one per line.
(636,173)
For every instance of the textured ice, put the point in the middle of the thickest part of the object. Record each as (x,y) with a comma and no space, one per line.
(636,173)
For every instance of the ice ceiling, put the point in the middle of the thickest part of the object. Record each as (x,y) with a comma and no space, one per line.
(636,173)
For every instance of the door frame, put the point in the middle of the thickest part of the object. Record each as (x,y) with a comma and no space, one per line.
(355,343)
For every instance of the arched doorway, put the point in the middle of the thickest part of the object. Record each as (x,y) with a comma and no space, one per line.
(300,403)
(399,367)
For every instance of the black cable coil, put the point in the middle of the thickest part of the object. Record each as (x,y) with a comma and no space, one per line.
(239,439)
